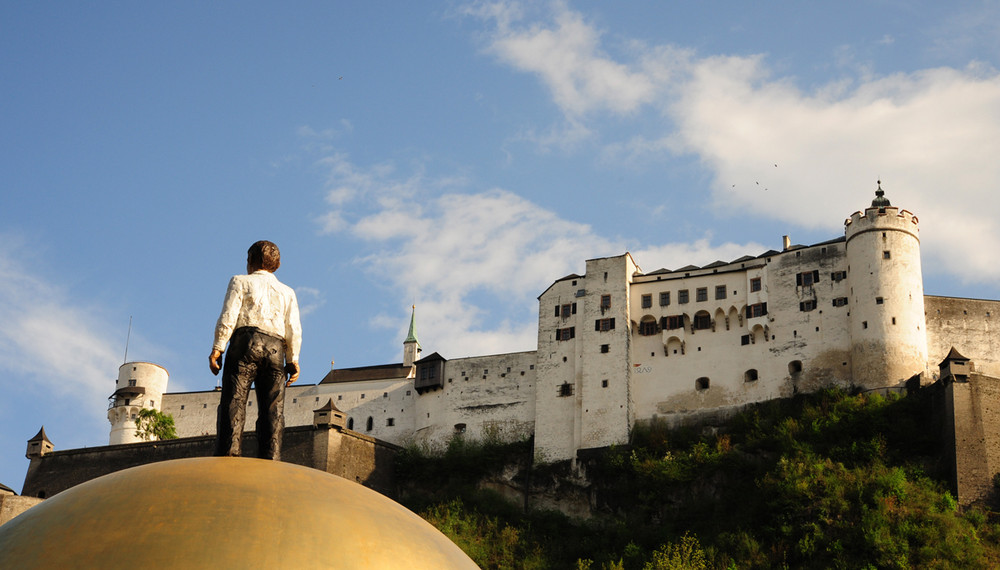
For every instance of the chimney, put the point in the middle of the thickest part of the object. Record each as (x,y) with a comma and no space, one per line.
(785,243)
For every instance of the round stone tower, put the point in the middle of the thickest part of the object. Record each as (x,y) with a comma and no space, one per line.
(888,337)
(140,385)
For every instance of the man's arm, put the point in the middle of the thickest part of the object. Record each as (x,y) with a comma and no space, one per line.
(224,326)
(293,339)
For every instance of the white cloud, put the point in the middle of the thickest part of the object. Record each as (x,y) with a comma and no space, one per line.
(932,135)
(309,299)
(566,54)
(66,350)
(459,256)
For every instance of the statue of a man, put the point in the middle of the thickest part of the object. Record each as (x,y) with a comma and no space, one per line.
(260,321)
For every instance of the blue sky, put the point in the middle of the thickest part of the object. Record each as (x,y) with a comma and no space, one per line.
(457,156)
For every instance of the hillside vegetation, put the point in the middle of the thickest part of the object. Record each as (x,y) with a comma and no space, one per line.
(827,480)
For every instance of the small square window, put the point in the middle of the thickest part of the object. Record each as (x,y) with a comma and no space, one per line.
(605,301)
(682,296)
(755,284)
(664,298)
(604,383)
(720,291)
(390,422)
(745,340)
(879,300)
(605,348)
(701,294)
(647,301)
(886,255)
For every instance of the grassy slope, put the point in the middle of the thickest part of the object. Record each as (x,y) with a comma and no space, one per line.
(828,480)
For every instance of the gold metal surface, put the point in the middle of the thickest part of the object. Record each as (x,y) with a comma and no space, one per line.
(223,512)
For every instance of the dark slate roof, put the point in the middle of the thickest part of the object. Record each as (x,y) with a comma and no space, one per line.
(379,372)
(430,358)
(329,406)
(717,263)
(40,436)
(568,277)
(953,354)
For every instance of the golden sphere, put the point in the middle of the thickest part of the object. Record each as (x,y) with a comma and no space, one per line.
(223,512)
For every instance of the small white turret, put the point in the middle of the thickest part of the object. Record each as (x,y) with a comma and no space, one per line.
(888,336)
(140,385)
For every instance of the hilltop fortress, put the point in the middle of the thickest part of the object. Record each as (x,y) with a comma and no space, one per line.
(618,346)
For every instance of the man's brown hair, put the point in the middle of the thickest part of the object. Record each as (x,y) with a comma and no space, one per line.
(265,255)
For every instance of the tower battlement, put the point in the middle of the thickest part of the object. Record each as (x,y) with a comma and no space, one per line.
(889,217)
(881,216)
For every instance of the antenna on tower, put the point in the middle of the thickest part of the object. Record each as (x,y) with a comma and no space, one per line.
(127,338)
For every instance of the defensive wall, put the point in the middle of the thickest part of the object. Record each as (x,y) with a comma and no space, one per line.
(351,455)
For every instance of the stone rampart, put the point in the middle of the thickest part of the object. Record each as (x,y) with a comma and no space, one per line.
(345,453)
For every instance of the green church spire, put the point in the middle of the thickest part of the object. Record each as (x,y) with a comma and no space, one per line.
(412,336)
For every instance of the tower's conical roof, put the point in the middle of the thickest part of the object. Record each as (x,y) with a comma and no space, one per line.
(412,335)
(40,436)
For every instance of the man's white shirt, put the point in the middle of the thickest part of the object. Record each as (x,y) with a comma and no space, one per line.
(260,300)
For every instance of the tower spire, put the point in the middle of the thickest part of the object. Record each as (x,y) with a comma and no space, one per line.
(412,335)
(411,346)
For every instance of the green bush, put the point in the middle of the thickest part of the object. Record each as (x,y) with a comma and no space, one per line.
(827,480)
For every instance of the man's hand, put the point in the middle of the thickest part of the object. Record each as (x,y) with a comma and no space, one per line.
(292,369)
(215,362)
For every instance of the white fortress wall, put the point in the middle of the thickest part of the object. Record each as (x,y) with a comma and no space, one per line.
(604,378)
(693,354)
(562,318)
(970,325)
(482,397)
(379,408)
(382,400)
(809,344)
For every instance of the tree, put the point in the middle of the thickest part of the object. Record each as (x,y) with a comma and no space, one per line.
(154,425)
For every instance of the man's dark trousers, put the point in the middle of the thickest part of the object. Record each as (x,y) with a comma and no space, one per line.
(254,358)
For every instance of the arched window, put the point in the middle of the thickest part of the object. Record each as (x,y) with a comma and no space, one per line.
(750,375)
(368,426)
(701,383)
(647,326)
(350,423)
(702,321)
